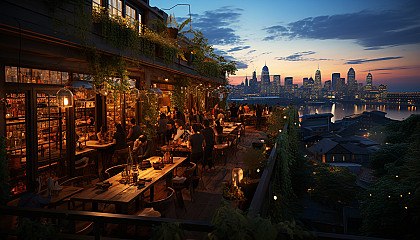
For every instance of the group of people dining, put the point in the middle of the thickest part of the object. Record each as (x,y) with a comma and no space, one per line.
(175,127)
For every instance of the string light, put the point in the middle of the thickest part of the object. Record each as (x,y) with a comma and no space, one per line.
(396,176)
(389,196)
(409,193)
(400,195)
(258,170)
(406,208)
(370,194)
(275,197)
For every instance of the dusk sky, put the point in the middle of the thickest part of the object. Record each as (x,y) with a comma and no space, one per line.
(294,37)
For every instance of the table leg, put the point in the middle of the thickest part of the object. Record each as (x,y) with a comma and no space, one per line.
(152,193)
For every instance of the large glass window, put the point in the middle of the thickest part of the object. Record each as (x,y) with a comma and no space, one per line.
(16,141)
(51,130)
(130,15)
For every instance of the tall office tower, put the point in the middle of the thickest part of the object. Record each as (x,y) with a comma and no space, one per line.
(317,83)
(311,83)
(246,81)
(265,81)
(351,82)
(253,83)
(341,86)
(276,83)
(369,82)
(305,82)
(335,79)
(327,85)
(288,85)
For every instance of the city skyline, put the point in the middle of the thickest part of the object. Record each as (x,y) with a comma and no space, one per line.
(295,37)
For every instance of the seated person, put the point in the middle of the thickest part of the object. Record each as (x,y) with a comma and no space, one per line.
(134,132)
(104,134)
(142,148)
(179,126)
(218,131)
(31,198)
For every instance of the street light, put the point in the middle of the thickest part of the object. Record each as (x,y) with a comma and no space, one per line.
(189,10)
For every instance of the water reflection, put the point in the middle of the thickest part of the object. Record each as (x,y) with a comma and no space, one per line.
(341,110)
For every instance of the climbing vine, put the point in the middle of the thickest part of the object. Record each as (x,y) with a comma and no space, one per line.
(179,94)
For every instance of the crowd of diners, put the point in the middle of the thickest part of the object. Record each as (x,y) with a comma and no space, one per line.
(199,130)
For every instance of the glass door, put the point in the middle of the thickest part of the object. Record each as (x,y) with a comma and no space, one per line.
(51,132)
(16,141)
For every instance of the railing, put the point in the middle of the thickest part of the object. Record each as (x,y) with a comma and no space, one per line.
(259,203)
(98,219)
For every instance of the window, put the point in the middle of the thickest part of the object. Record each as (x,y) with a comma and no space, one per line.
(115,8)
(130,15)
(39,76)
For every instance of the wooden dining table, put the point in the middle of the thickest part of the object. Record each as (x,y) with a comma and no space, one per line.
(101,148)
(123,195)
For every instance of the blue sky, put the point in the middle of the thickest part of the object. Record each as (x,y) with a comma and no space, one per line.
(293,37)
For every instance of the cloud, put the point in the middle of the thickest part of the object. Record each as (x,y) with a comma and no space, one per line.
(372,30)
(360,61)
(392,68)
(216,25)
(239,48)
(300,56)
(252,51)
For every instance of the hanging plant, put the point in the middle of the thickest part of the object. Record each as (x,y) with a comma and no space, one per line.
(179,94)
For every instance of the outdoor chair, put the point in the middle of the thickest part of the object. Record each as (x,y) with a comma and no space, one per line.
(186,181)
(112,171)
(163,206)
(121,155)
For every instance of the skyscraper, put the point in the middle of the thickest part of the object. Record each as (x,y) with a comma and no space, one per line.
(276,83)
(253,83)
(246,81)
(265,81)
(369,82)
(335,80)
(305,82)
(351,82)
(317,83)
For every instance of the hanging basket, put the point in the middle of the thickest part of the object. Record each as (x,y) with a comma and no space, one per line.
(172,32)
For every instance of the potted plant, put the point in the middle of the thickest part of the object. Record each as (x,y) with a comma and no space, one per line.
(171,28)
(233,194)
(253,160)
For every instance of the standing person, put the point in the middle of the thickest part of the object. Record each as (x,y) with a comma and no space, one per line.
(234,112)
(220,116)
(163,124)
(209,137)
(170,128)
(241,112)
(197,143)
(134,131)
(119,138)
(258,112)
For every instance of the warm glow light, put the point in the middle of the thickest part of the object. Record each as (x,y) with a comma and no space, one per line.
(389,196)
(275,197)
(267,148)
(406,207)
(66,101)
(400,195)
(396,176)
(258,170)
(370,194)
(280,130)
(284,117)
(166,79)
(409,193)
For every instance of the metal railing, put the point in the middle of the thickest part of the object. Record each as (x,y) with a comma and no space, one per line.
(98,219)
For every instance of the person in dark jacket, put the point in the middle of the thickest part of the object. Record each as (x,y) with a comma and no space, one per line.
(134,132)
(209,137)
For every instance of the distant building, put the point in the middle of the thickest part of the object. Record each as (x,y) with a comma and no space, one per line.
(316,124)
(288,86)
(335,80)
(351,83)
(369,82)
(327,85)
(253,83)
(382,92)
(317,83)
(360,123)
(265,81)
(305,82)
(403,97)
(276,84)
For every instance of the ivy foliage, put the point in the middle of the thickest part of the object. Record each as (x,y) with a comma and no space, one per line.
(233,224)
(150,113)
(291,174)
(4,174)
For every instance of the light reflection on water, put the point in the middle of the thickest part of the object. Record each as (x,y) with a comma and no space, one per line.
(341,110)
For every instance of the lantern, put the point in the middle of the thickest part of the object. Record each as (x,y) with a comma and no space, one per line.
(65,98)
(237,176)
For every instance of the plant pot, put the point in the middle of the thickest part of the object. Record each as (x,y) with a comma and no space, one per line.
(249,189)
(172,32)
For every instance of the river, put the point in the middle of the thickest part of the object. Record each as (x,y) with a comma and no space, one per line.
(340,110)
